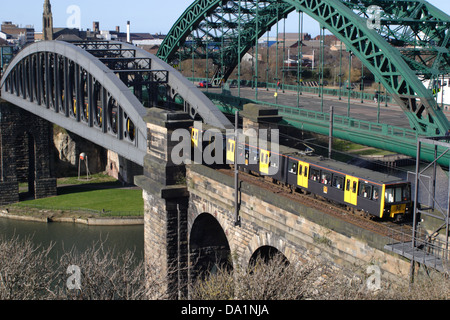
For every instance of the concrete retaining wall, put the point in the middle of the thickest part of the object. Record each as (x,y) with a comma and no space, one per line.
(87,221)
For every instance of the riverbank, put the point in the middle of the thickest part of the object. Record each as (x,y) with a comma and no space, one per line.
(66,216)
(98,201)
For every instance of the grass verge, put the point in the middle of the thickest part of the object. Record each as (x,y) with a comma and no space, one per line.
(99,196)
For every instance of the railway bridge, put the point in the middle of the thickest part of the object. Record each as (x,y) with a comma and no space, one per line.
(129,101)
(98,90)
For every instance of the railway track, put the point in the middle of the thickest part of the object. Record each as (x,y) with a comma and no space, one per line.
(400,231)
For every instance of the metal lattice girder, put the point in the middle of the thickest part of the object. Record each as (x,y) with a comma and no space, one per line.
(417,28)
(195,102)
(209,24)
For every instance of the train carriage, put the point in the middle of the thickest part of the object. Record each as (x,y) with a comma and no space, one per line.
(378,194)
(207,145)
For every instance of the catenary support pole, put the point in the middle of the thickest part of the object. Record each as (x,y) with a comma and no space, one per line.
(330,137)
(236,170)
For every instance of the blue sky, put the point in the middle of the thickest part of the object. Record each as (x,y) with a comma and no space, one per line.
(154,16)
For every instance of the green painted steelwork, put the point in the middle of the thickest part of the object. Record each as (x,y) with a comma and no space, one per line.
(377,135)
(6,55)
(411,44)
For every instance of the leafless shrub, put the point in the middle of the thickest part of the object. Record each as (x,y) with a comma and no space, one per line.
(314,280)
(104,275)
(25,270)
(219,285)
(28,273)
(431,286)
(264,280)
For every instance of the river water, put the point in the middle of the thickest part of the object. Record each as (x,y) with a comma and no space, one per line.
(68,235)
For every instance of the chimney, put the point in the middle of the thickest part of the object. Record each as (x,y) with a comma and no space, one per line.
(118,29)
(128,32)
(96,26)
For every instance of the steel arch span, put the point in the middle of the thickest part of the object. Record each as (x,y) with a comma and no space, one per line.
(410,45)
(95,90)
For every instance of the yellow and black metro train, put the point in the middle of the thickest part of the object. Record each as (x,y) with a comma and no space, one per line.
(378,194)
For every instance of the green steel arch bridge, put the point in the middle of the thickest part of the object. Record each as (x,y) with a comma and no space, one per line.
(406,49)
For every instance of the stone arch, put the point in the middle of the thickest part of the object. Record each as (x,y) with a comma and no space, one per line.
(208,246)
(266,253)
(24,155)
(265,240)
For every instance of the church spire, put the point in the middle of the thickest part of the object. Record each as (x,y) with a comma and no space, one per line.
(47,21)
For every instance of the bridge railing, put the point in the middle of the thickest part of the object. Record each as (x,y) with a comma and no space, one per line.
(336,92)
(422,248)
(377,135)
(319,118)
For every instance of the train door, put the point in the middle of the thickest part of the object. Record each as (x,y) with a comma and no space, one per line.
(194,137)
(264,161)
(231,144)
(351,190)
(302,177)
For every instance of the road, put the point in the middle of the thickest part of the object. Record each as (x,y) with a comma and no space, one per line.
(392,114)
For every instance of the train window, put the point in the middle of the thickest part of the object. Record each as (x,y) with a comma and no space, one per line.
(348,185)
(355,184)
(375,193)
(305,172)
(406,192)
(338,182)
(365,190)
(326,178)
(389,195)
(254,155)
(274,162)
(293,168)
(397,194)
(231,146)
(315,175)
(263,157)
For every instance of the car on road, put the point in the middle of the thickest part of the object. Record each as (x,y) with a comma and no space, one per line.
(204,84)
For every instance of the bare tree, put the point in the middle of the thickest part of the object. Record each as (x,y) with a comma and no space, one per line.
(26,270)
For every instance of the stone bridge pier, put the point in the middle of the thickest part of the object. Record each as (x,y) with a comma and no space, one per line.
(190,220)
(26,145)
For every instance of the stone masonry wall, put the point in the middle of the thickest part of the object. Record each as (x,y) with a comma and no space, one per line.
(16,125)
(165,203)
(299,232)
